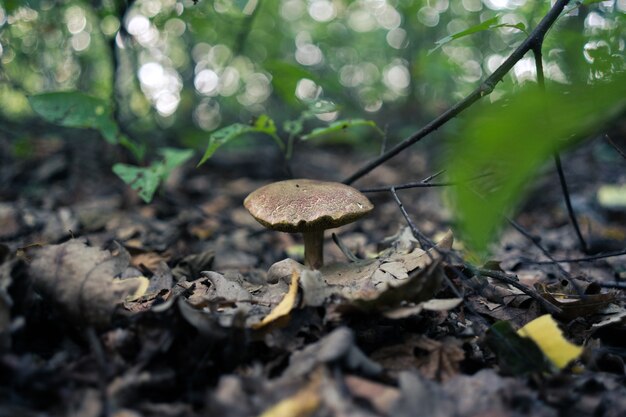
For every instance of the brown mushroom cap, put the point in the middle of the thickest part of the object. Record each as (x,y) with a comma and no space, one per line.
(306,205)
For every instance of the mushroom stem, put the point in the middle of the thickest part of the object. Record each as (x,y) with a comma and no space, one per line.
(314,248)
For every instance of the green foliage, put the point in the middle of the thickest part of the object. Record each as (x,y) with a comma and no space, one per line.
(488,24)
(146,180)
(79,110)
(340,126)
(76,109)
(508,143)
(263,124)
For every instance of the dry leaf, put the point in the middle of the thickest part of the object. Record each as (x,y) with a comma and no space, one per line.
(301,404)
(150,260)
(382,397)
(284,307)
(547,335)
(81,279)
(436,304)
(442,360)
(572,305)
(379,283)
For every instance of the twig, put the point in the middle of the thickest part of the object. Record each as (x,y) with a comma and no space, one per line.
(557,158)
(421,184)
(536,242)
(407,185)
(443,253)
(619,151)
(542,85)
(383,144)
(423,240)
(513,282)
(584,259)
(568,203)
(482,90)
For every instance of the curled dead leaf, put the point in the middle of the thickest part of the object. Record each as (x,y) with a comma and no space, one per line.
(284,307)
(81,279)
(378,284)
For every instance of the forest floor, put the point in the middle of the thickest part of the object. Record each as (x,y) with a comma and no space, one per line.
(197,327)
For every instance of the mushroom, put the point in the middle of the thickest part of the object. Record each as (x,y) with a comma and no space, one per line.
(308,207)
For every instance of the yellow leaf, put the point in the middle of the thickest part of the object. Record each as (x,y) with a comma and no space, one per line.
(285,306)
(547,335)
(142,286)
(302,404)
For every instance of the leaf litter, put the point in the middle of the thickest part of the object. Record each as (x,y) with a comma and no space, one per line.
(193,316)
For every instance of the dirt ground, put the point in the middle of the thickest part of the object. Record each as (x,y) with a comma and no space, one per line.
(113,307)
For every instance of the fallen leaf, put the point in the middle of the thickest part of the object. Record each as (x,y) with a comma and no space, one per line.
(382,397)
(149,260)
(571,303)
(302,404)
(442,359)
(436,304)
(284,307)
(547,335)
(378,284)
(612,196)
(81,279)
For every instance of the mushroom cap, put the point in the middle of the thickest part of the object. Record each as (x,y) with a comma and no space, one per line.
(303,205)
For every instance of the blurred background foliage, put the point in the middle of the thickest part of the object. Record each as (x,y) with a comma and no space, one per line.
(184,69)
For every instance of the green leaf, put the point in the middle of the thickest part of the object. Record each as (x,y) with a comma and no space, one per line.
(263,124)
(295,127)
(340,125)
(321,107)
(138,150)
(285,77)
(510,141)
(75,109)
(146,180)
(488,24)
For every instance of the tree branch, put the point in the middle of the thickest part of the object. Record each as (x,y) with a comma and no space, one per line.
(484,89)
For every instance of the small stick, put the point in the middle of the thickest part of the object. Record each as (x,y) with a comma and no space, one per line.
(619,151)
(418,235)
(583,259)
(568,203)
(513,282)
(535,241)
(418,184)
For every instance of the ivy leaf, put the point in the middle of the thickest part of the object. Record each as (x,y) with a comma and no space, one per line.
(507,143)
(146,180)
(339,126)
(76,109)
(263,124)
(488,24)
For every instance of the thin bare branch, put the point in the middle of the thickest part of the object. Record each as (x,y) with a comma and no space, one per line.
(583,259)
(513,282)
(485,88)
(617,149)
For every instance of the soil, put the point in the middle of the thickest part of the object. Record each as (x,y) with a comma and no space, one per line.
(113,307)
